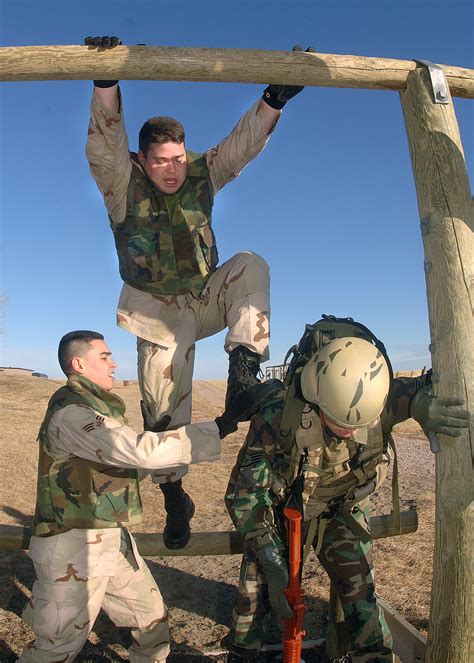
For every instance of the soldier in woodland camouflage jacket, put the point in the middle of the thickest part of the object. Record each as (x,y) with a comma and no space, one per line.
(328,460)
(159,202)
(88,493)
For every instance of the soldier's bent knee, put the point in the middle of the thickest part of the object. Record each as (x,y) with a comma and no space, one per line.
(250,258)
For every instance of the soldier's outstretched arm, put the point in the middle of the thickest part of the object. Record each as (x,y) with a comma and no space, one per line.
(109,96)
(107,144)
(90,435)
(439,415)
(106,90)
(413,397)
(276,96)
(397,408)
(248,138)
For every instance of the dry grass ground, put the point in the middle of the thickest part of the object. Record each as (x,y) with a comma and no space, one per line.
(200,591)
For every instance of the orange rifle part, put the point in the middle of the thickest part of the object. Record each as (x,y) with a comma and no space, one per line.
(293,635)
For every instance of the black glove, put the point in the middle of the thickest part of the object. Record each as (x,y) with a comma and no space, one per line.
(276,96)
(245,404)
(441,415)
(103,42)
(276,571)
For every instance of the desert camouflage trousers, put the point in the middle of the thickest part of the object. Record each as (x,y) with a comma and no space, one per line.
(348,563)
(62,612)
(236,296)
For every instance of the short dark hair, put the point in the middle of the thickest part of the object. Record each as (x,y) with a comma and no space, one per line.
(74,344)
(160,130)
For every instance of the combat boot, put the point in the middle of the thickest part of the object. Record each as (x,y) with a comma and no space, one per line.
(179,511)
(245,391)
(243,404)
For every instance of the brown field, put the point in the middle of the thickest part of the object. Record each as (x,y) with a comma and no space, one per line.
(200,590)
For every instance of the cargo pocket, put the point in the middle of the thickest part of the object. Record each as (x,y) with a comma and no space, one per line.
(43,617)
(112,495)
(143,256)
(54,611)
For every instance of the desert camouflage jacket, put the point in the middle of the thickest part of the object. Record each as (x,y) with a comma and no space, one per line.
(253,496)
(111,166)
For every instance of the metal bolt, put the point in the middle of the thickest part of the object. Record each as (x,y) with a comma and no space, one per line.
(441,94)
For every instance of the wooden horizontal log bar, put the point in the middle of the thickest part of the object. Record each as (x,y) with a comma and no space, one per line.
(230,65)
(15,537)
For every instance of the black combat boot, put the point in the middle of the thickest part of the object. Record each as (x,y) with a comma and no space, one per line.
(243,403)
(244,389)
(179,511)
(178,505)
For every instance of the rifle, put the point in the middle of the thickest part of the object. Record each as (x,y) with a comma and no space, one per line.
(293,635)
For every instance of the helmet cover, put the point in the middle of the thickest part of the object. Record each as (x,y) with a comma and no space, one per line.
(348,379)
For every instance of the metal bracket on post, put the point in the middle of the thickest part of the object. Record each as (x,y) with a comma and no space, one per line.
(438,82)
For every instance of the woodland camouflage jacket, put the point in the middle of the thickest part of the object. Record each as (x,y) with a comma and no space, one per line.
(89,459)
(73,492)
(255,490)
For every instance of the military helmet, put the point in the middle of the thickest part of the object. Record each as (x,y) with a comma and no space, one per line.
(348,379)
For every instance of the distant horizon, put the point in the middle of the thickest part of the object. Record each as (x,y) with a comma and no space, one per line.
(195,379)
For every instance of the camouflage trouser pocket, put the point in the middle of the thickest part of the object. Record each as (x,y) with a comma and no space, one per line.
(43,617)
(251,616)
(52,609)
(61,615)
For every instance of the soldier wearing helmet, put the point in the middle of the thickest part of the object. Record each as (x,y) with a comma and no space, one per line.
(322,443)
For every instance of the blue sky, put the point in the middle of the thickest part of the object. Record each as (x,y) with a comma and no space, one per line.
(330,204)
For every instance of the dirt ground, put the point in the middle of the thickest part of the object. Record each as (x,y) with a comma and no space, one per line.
(200,590)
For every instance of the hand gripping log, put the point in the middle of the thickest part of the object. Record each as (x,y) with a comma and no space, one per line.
(293,634)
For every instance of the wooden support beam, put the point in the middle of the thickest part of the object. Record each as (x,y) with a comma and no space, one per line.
(15,537)
(408,643)
(409,646)
(231,65)
(447,224)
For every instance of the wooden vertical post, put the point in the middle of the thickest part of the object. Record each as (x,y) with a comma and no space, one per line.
(446,214)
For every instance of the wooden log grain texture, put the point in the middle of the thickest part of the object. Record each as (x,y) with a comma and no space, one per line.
(408,643)
(447,223)
(16,537)
(230,65)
